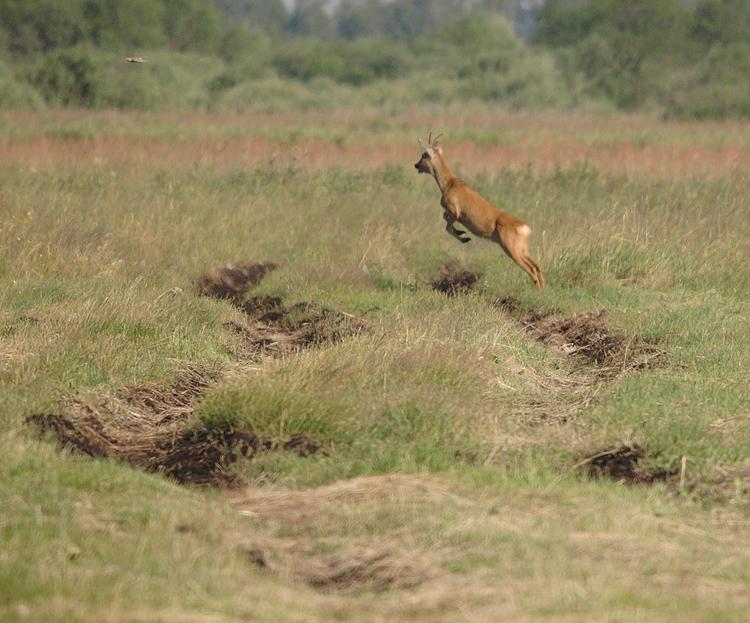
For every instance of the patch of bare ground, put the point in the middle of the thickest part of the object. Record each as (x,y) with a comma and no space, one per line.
(371,566)
(586,338)
(151,427)
(454,281)
(624,464)
(270,326)
(232,281)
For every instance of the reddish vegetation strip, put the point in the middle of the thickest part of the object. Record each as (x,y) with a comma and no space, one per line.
(478,143)
(138,154)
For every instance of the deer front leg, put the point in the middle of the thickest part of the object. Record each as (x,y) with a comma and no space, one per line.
(456,233)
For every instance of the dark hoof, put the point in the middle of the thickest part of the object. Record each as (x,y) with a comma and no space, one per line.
(465,240)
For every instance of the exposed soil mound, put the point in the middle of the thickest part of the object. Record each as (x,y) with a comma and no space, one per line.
(150,427)
(274,328)
(585,337)
(454,281)
(623,464)
(233,280)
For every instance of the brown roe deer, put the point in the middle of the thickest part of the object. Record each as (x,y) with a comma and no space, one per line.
(464,204)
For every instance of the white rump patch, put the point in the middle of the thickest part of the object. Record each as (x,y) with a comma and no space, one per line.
(524,230)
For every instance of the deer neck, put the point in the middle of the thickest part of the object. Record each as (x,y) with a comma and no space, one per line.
(440,171)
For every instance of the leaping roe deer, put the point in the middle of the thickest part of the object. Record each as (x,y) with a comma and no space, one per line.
(463,204)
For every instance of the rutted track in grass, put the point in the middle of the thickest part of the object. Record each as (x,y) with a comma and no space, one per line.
(152,427)
(604,356)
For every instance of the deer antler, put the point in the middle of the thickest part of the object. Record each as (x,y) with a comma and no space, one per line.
(430,141)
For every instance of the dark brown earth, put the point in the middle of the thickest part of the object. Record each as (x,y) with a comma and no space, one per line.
(454,281)
(233,280)
(271,326)
(151,427)
(585,337)
(623,464)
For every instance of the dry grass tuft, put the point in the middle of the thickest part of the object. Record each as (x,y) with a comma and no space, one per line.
(369,568)
(300,507)
(724,484)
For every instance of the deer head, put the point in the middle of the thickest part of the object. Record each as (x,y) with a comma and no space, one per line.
(429,153)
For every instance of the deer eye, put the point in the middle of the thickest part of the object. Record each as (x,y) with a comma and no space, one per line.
(426,155)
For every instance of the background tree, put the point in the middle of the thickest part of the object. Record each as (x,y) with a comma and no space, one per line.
(192,25)
(42,25)
(259,14)
(124,23)
(310,19)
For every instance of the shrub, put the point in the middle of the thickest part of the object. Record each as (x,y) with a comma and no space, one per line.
(67,78)
(308,58)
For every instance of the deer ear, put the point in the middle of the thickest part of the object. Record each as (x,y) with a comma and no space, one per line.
(439,149)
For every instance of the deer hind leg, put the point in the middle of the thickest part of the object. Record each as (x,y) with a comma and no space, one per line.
(456,233)
(515,242)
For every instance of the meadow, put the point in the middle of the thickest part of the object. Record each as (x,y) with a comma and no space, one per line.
(188,437)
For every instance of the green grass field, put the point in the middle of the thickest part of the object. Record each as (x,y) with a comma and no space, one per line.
(433,461)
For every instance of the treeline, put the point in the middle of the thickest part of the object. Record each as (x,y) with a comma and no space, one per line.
(659,54)
(688,60)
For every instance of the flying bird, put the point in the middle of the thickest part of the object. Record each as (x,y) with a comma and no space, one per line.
(135,59)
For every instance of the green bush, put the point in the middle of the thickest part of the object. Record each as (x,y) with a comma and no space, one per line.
(305,59)
(67,78)
(717,88)
(367,60)
(86,77)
